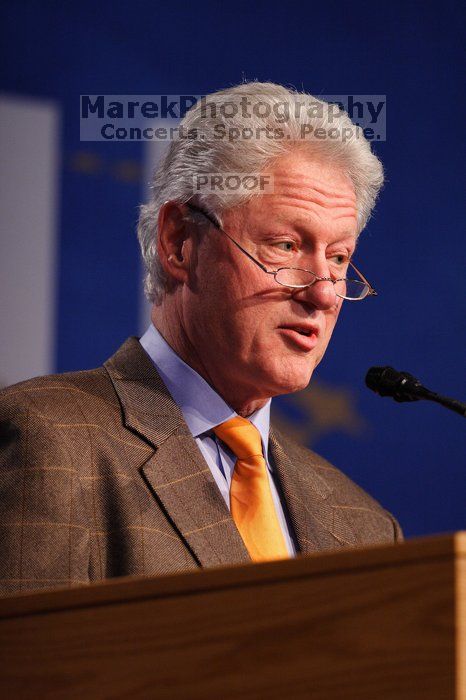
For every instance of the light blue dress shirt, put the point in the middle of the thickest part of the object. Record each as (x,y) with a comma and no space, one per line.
(202,410)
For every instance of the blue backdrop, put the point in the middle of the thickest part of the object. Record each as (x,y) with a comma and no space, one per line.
(411,456)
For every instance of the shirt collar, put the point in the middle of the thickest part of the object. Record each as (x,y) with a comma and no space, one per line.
(200,404)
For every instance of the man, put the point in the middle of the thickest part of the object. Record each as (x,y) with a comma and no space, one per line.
(163,459)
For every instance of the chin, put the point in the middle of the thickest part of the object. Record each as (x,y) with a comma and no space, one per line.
(292,381)
(299,385)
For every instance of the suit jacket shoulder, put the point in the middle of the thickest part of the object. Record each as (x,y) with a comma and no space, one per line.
(45,524)
(54,396)
(349,513)
(74,504)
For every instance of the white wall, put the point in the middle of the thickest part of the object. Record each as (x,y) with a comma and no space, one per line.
(29,162)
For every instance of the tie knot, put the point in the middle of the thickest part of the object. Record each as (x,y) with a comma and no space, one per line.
(241,436)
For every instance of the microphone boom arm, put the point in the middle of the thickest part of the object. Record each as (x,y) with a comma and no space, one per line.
(402,387)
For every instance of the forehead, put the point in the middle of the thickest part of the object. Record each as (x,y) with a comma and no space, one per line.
(307,194)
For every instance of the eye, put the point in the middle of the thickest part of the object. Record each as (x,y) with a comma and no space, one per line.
(341,259)
(287,246)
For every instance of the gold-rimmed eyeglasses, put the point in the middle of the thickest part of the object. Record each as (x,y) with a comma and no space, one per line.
(297,278)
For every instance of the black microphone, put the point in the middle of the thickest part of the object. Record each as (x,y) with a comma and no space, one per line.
(402,386)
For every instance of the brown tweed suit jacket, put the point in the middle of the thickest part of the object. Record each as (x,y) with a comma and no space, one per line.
(100,477)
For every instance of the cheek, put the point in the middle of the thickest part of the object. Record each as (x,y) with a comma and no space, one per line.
(330,322)
(332,318)
(219,312)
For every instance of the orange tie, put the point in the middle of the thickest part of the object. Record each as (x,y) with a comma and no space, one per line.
(251,501)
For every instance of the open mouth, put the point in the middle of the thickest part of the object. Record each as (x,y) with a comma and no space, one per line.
(302,337)
(301,330)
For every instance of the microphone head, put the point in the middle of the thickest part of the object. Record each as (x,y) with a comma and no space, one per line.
(387,381)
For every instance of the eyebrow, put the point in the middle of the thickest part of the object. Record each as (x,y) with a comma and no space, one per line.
(306,227)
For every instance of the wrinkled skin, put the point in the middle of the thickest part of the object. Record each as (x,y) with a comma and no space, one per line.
(232,322)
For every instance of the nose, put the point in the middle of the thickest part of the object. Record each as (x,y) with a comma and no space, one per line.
(321,294)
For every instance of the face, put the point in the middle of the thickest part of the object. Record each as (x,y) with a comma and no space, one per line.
(248,336)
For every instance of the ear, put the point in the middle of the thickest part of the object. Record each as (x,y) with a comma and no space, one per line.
(174,241)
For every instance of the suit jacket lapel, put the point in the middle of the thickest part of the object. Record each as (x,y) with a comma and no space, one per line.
(181,481)
(176,473)
(318,522)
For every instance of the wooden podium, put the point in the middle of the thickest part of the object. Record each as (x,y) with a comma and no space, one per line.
(367,624)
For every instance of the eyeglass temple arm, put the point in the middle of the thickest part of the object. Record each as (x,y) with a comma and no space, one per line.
(219,228)
(371,288)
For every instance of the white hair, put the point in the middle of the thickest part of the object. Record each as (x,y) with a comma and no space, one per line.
(252,106)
